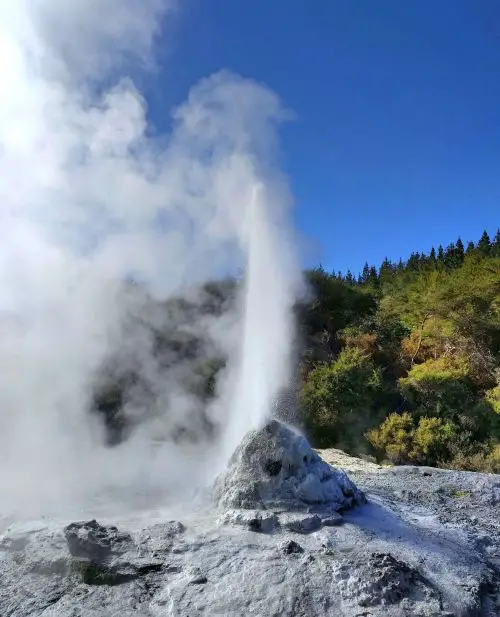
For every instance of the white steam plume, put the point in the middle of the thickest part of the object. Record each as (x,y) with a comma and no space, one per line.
(87,199)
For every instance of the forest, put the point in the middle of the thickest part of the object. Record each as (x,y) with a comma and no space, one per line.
(403,361)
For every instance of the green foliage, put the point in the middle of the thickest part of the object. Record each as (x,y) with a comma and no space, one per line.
(484,462)
(484,245)
(420,338)
(403,440)
(333,395)
(393,438)
(493,398)
(334,305)
(438,387)
(430,329)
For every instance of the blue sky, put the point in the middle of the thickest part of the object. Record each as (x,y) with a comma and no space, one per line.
(397,142)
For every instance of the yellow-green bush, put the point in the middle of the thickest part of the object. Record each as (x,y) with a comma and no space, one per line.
(394,437)
(439,387)
(493,398)
(402,439)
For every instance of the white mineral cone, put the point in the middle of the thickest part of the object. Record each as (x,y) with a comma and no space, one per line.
(277,468)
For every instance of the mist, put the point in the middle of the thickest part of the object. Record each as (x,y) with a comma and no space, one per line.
(88,200)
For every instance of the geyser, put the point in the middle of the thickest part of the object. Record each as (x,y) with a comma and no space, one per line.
(90,197)
(275,468)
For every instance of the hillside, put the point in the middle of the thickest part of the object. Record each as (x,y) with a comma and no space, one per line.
(402,362)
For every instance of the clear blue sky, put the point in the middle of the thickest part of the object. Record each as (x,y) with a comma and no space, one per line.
(397,142)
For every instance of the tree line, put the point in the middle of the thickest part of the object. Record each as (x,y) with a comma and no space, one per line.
(403,361)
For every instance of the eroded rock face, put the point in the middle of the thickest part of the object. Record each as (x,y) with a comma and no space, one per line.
(104,555)
(381,580)
(277,468)
(92,541)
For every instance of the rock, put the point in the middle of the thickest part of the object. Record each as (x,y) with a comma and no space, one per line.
(254,520)
(276,468)
(106,556)
(383,580)
(332,520)
(196,577)
(300,523)
(92,541)
(410,551)
(291,548)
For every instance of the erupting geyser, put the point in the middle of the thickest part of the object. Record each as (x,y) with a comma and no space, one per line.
(90,197)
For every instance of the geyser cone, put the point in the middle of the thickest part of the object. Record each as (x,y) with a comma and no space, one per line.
(275,467)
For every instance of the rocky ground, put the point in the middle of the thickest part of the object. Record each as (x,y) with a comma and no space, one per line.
(283,534)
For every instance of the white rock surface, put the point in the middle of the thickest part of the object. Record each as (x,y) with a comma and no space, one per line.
(277,468)
(424,544)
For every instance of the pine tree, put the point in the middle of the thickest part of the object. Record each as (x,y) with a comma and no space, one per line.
(460,251)
(412,263)
(386,272)
(432,256)
(470,248)
(440,256)
(484,245)
(365,275)
(373,276)
(424,260)
(450,256)
(349,278)
(495,249)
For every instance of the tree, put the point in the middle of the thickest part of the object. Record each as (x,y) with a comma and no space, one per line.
(373,276)
(454,255)
(440,256)
(404,440)
(439,387)
(484,245)
(450,256)
(495,249)
(333,306)
(413,262)
(430,329)
(471,247)
(338,396)
(365,275)
(386,272)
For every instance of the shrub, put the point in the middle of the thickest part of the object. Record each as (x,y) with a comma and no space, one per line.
(366,342)
(403,440)
(394,437)
(488,462)
(493,398)
(439,387)
(335,397)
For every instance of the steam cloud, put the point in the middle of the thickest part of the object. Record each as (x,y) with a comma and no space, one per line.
(89,198)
